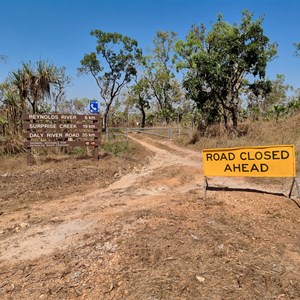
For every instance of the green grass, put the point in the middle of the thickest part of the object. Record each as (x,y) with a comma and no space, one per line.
(118,147)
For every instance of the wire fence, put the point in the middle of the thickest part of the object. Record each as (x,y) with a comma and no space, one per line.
(116,133)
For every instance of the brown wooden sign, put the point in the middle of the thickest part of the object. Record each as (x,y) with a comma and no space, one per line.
(61,130)
(61,135)
(60,143)
(43,126)
(61,117)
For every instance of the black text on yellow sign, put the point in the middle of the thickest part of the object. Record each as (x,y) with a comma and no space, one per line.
(260,161)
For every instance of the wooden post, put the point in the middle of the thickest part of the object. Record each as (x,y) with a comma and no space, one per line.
(29,158)
(28,139)
(96,131)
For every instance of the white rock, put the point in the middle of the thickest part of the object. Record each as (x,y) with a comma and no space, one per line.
(200,278)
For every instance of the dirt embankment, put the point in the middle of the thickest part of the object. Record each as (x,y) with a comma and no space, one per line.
(126,229)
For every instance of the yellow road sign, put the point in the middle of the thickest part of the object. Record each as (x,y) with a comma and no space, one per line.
(259,161)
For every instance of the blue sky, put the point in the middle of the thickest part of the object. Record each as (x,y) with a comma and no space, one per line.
(59,30)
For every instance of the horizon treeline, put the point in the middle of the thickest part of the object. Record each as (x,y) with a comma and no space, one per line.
(215,76)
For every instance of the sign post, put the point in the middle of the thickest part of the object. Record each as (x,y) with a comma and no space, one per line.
(292,186)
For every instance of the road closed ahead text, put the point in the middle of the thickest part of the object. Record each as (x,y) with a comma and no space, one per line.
(263,161)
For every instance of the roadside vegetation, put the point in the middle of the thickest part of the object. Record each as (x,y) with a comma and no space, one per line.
(214,81)
(284,131)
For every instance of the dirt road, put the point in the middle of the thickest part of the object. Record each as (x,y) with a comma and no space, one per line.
(148,233)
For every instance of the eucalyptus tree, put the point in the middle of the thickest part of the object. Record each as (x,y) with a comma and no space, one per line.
(164,86)
(278,94)
(139,97)
(257,98)
(59,88)
(269,97)
(112,65)
(220,63)
(297,47)
(74,106)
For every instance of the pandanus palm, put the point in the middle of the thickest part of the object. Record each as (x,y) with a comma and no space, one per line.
(34,83)
(19,82)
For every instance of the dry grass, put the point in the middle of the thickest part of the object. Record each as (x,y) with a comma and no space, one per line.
(285,131)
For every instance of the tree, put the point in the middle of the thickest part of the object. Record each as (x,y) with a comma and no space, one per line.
(139,98)
(294,103)
(257,98)
(297,46)
(63,81)
(33,83)
(74,106)
(118,115)
(268,97)
(278,94)
(10,109)
(165,88)
(116,69)
(218,63)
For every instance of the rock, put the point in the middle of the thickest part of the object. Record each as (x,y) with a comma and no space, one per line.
(116,175)
(221,247)
(200,278)
(194,237)
(109,247)
(24,225)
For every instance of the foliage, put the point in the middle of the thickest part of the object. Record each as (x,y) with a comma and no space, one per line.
(118,116)
(139,97)
(257,96)
(278,93)
(11,144)
(33,84)
(116,69)
(164,87)
(297,47)
(58,93)
(26,90)
(74,106)
(219,61)
(224,80)
(270,98)
(10,109)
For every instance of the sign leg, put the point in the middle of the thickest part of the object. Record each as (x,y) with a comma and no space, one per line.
(298,191)
(292,186)
(205,187)
(96,154)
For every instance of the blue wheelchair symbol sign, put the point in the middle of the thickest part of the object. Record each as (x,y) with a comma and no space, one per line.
(94,108)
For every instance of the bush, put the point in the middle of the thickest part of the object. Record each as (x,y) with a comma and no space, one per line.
(11,145)
(117,148)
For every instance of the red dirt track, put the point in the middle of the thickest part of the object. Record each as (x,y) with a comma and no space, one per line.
(139,228)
